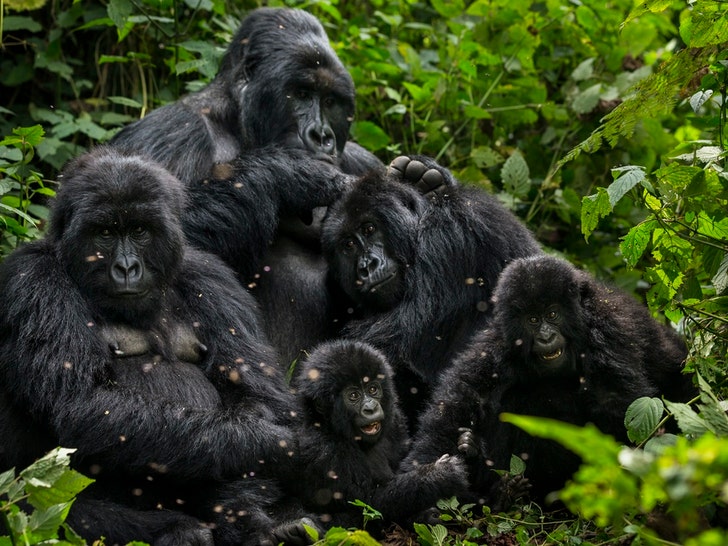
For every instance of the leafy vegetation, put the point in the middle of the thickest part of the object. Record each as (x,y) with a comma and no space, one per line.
(603,124)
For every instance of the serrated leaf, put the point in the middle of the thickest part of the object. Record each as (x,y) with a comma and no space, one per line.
(486,157)
(642,417)
(688,421)
(635,243)
(516,175)
(6,478)
(64,489)
(626,178)
(593,208)
(44,523)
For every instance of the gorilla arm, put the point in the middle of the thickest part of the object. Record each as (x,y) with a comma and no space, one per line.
(237,212)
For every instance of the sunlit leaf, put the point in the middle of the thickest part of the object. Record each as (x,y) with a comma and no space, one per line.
(642,417)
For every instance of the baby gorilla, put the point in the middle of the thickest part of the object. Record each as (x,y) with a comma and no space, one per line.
(354,438)
(560,345)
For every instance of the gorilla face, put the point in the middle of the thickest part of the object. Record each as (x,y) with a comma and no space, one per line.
(370,239)
(368,272)
(364,408)
(118,226)
(294,90)
(550,353)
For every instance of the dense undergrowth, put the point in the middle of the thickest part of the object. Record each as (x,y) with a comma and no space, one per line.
(602,124)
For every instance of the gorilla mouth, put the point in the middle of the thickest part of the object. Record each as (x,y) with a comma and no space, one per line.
(376,283)
(372,428)
(552,356)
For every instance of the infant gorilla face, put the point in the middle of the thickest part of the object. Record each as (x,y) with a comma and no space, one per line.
(363,405)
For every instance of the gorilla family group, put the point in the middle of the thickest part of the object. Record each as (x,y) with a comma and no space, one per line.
(242,322)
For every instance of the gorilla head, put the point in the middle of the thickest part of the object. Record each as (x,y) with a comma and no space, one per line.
(538,300)
(370,237)
(347,391)
(116,222)
(280,62)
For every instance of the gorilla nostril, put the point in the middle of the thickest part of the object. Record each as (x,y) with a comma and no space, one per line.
(320,138)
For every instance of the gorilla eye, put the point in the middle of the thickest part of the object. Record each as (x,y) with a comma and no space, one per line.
(303,94)
(368,229)
(353,396)
(533,320)
(552,315)
(373,389)
(348,245)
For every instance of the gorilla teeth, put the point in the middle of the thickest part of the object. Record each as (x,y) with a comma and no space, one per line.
(552,356)
(372,428)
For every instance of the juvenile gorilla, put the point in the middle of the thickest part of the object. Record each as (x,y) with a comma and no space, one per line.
(353,440)
(418,255)
(147,357)
(560,345)
(265,141)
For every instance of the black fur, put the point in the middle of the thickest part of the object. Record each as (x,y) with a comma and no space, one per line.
(158,373)
(267,139)
(339,465)
(448,247)
(613,352)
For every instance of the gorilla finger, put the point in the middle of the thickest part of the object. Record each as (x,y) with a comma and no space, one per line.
(398,166)
(432,181)
(414,171)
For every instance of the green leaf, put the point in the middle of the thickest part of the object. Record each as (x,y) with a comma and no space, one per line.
(517,466)
(642,417)
(16,22)
(635,243)
(700,98)
(44,523)
(48,469)
(119,12)
(64,489)
(369,135)
(720,279)
(486,157)
(6,478)
(688,421)
(586,100)
(626,178)
(593,208)
(588,442)
(516,175)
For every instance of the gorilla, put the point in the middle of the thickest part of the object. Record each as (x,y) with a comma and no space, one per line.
(416,255)
(560,345)
(353,438)
(148,358)
(278,113)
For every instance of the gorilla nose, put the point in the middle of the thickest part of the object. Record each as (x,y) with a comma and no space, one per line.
(319,138)
(126,271)
(367,266)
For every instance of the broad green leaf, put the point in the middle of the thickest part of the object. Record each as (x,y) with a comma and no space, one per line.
(64,489)
(369,135)
(17,22)
(585,70)
(588,442)
(486,157)
(586,100)
(45,471)
(712,228)
(648,6)
(635,242)
(517,466)
(44,523)
(6,478)
(593,208)
(448,8)
(642,417)
(119,11)
(626,178)
(688,421)
(516,175)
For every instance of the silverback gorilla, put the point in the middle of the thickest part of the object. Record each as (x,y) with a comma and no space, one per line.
(147,357)
(418,254)
(278,113)
(354,437)
(560,345)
